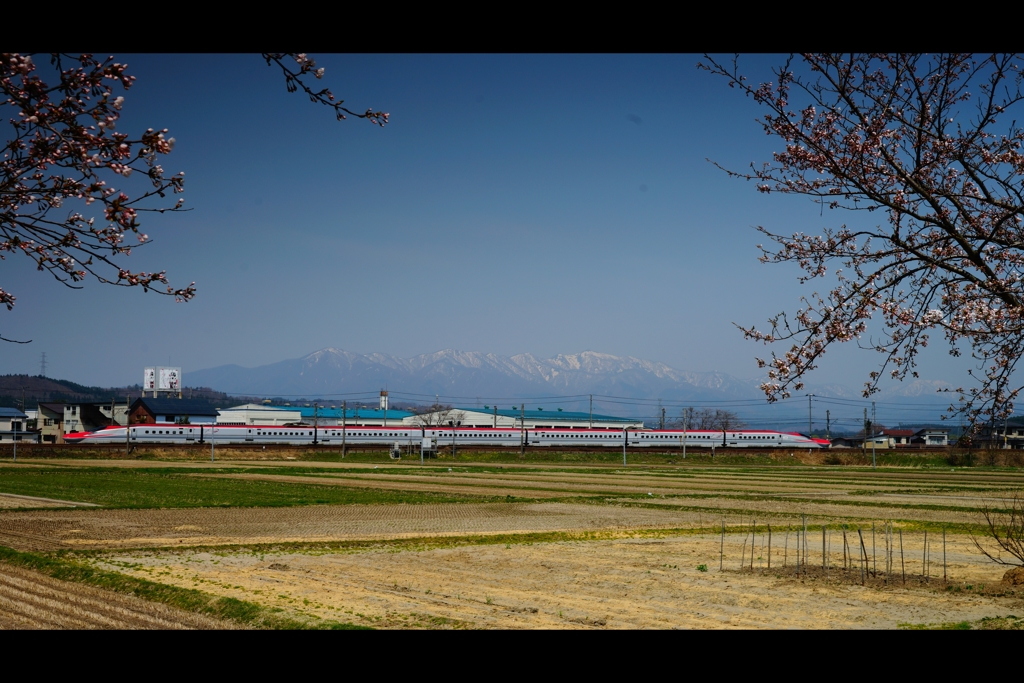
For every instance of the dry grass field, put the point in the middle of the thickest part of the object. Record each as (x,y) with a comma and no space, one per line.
(527,545)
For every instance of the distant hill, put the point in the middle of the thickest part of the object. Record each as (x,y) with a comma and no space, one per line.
(33,389)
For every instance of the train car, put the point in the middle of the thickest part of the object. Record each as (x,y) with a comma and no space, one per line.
(306,435)
(297,435)
(672,438)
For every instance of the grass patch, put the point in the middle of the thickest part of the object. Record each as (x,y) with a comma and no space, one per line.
(406,544)
(147,488)
(1008,623)
(190,600)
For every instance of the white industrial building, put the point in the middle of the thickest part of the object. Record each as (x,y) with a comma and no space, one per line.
(529,419)
(256,414)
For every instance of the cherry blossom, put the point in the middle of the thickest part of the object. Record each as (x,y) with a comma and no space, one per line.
(930,143)
(73,188)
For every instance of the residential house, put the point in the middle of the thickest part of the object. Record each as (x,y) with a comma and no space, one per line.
(12,426)
(931,437)
(85,417)
(51,422)
(150,410)
(900,437)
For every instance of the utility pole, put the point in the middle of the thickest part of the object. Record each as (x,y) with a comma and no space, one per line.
(522,431)
(874,464)
(828,425)
(495,417)
(212,430)
(127,424)
(591,411)
(344,409)
(625,440)
(662,419)
(454,424)
(867,428)
(810,415)
(686,416)
(316,420)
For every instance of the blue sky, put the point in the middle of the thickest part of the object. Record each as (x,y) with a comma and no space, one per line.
(542,204)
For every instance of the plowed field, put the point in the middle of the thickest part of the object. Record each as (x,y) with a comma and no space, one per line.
(30,600)
(655,563)
(57,529)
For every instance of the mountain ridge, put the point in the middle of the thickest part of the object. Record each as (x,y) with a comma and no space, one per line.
(454,373)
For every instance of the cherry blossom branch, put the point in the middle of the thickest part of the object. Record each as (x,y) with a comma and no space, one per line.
(306,66)
(887,132)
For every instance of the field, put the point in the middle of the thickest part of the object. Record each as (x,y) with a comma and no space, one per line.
(509,543)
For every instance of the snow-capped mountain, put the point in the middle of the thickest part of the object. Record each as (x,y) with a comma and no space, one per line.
(462,373)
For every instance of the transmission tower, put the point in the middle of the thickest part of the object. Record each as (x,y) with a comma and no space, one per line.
(42,365)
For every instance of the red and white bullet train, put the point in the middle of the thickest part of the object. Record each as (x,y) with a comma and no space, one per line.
(304,435)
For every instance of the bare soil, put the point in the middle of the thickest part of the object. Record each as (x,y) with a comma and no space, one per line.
(621,583)
(80,529)
(11,501)
(30,600)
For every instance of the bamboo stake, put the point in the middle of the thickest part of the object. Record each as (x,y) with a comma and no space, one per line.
(753,541)
(924,558)
(743,553)
(785,555)
(944,580)
(803,545)
(903,566)
(846,564)
(828,565)
(769,546)
(721,547)
(864,556)
(874,555)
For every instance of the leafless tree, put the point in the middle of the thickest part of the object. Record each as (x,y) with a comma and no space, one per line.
(438,415)
(1006,527)
(711,418)
(871,429)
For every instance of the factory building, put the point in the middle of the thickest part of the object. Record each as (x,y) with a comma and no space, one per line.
(353,417)
(256,414)
(530,419)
